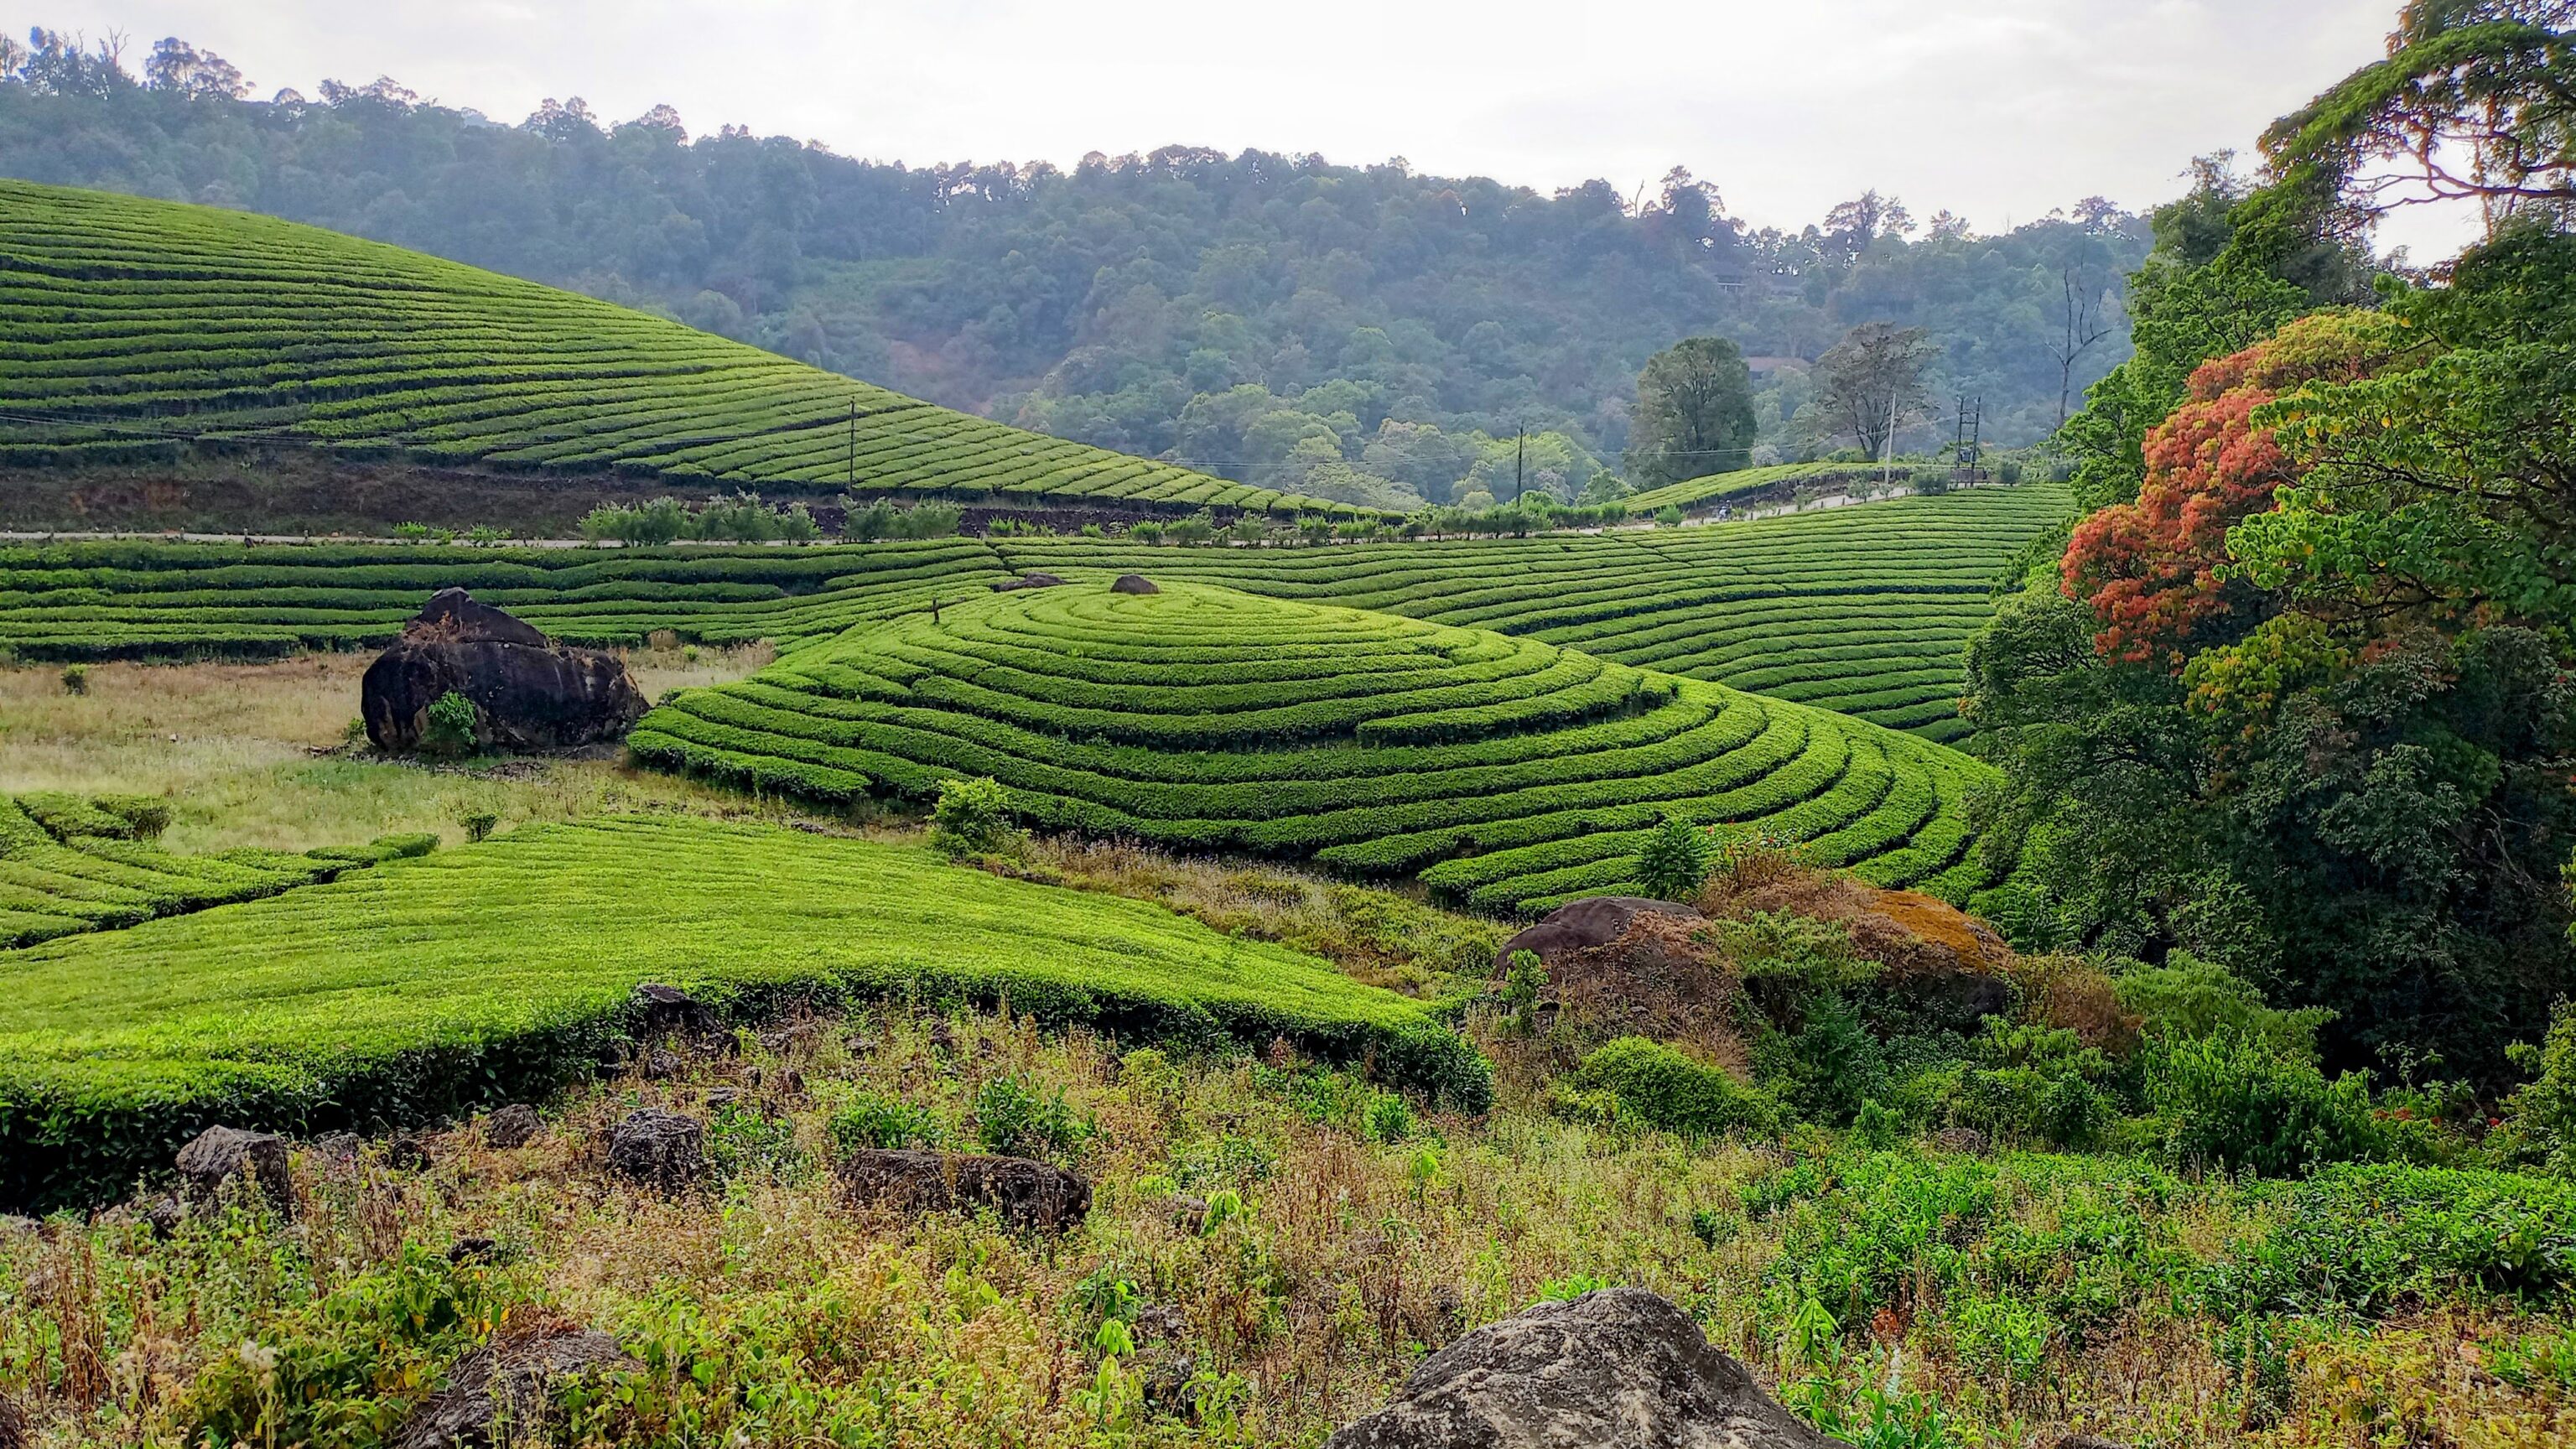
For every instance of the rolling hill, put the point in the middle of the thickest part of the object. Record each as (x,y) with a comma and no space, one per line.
(128,326)
(1863,609)
(1505,773)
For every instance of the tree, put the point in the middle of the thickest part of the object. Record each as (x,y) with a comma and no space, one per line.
(1870,384)
(181,68)
(2081,323)
(2475,101)
(1694,412)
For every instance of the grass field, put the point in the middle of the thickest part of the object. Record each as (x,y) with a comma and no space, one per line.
(128,324)
(1864,610)
(479,971)
(1505,773)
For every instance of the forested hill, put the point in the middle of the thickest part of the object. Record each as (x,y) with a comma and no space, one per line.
(1211,309)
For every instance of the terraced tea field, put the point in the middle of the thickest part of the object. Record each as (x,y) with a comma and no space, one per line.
(1694,494)
(127,323)
(1505,773)
(1863,610)
(69,865)
(423,985)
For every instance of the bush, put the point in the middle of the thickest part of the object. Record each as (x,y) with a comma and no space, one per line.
(450,729)
(657,522)
(1930,482)
(1663,1088)
(2231,1101)
(2008,472)
(479,825)
(148,815)
(973,817)
(2540,1117)
(1193,530)
(1676,860)
(2035,1085)
(1668,516)
(1390,1118)
(1147,531)
(886,1122)
(1013,1120)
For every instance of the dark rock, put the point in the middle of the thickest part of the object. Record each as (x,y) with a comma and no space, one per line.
(659,1064)
(339,1146)
(1030,580)
(14,1433)
(1165,1375)
(407,1154)
(1959,1139)
(503,1392)
(221,1153)
(1133,584)
(473,1250)
(529,693)
(14,1226)
(1576,925)
(1025,1194)
(1620,1369)
(165,1213)
(943,1037)
(796,1036)
(723,1097)
(1158,1323)
(658,1149)
(2088,1441)
(1189,1214)
(515,1125)
(670,1011)
(616,1054)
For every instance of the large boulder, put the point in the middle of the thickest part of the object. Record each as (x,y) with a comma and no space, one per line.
(504,1392)
(1578,925)
(220,1154)
(1133,584)
(1023,1193)
(529,692)
(1617,1369)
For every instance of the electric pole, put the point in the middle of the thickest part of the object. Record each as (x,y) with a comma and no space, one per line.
(1520,460)
(854,445)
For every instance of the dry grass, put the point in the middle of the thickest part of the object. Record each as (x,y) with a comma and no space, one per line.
(253,754)
(772,1312)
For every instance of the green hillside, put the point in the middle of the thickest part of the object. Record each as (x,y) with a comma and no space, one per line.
(422,984)
(1864,609)
(69,865)
(1506,773)
(126,324)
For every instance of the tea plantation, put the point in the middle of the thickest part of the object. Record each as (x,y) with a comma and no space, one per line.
(1863,610)
(69,865)
(1506,773)
(428,984)
(127,325)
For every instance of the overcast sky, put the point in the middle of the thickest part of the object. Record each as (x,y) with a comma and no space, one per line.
(1996,109)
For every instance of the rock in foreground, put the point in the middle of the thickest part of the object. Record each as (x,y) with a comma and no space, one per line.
(503,1393)
(1617,1369)
(219,1154)
(529,692)
(1023,1193)
(1133,584)
(658,1149)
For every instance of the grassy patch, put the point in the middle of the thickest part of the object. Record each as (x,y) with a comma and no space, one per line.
(484,970)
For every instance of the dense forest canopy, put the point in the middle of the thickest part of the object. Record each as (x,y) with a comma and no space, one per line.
(1355,331)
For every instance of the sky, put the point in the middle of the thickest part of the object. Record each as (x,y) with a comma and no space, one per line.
(1998,110)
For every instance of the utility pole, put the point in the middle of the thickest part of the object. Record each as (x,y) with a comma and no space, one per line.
(1520,460)
(1966,444)
(854,445)
(1887,450)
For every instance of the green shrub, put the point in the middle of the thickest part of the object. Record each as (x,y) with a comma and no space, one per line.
(1675,861)
(2008,472)
(148,815)
(741,1140)
(1661,1087)
(972,818)
(1145,531)
(1193,530)
(1012,1119)
(450,726)
(2231,1101)
(886,1122)
(1390,1118)
(651,524)
(2036,1086)
(478,824)
(1524,977)
(2188,997)
(75,679)
(1668,516)
(2540,1117)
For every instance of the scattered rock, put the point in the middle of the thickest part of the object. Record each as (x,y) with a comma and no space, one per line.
(2088,1441)
(796,1036)
(1165,1375)
(14,1226)
(513,1126)
(1156,1322)
(723,1097)
(503,1392)
(1959,1139)
(407,1153)
(1620,1368)
(221,1153)
(1189,1214)
(14,1433)
(1030,580)
(529,692)
(658,1149)
(338,1146)
(164,1214)
(473,1250)
(1024,1193)
(660,1065)
(1944,965)
(1133,584)
(943,1037)
(669,1011)
(1592,921)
